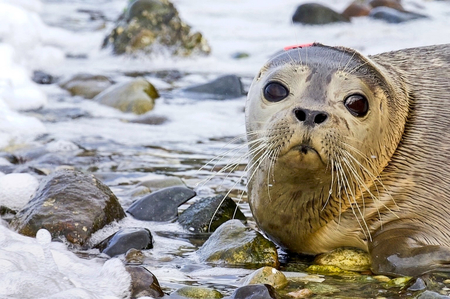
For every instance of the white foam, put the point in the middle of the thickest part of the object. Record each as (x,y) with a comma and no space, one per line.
(16,189)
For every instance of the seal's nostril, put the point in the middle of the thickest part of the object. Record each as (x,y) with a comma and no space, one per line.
(320,118)
(300,114)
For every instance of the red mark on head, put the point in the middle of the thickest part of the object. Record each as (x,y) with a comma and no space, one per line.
(297,46)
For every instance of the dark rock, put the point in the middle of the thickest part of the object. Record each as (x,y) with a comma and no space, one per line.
(143,283)
(316,14)
(418,285)
(387,3)
(86,85)
(432,295)
(126,239)
(224,87)
(196,293)
(137,96)
(69,204)
(391,15)
(161,205)
(232,244)
(207,214)
(41,77)
(150,119)
(356,9)
(9,157)
(152,26)
(255,291)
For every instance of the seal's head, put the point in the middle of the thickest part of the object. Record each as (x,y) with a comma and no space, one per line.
(322,123)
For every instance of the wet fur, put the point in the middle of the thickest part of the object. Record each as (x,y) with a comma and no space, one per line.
(396,206)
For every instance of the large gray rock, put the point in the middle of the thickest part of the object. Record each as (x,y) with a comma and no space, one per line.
(69,204)
(316,14)
(137,96)
(154,26)
(143,283)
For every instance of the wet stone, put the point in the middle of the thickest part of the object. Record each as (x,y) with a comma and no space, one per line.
(395,4)
(86,85)
(303,293)
(356,9)
(137,96)
(224,87)
(352,259)
(134,256)
(69,204)
(58,114)
(124,240)
(161,205)
(394,16)
(207,214)
(157,184)
(196,293)
(329,270)
(255,291)
(316,14)
(233,244)
(267,275)
(150,119)
(432,295)
(143,283)
(11,158)
(41,77)
(154,26)
(418,285)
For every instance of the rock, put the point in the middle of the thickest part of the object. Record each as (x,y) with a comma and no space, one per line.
(154,26)
(303,293)
(418,285)
(86,85)
(139,191)
(150,119)
(432,295)
(207,214)
(232,244)
(196,293)
(255,291)
(126,239)
(16,189)
(143,283)
(157,184)
(9,157)
(356,9)
(398,282)
(137,96)
(240,55)
(267,275)
(351,259)
(391,15)
(329,270)
(224,87)
(161,205)
(134,256)
(69,204)
(41,77)
(58,114)
(316,14)
(387,3)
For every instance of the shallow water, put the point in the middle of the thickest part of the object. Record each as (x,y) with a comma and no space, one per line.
(123,154)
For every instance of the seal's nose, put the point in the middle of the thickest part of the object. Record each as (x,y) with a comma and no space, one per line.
(309,117)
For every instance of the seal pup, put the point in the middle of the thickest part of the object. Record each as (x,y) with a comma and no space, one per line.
(353,151)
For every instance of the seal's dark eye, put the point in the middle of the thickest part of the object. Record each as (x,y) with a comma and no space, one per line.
(357,105)
(275,92)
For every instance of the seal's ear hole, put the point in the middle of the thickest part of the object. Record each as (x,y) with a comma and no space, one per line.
(357,105)
(275,92)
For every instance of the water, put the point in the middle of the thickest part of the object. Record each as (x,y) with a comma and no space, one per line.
(39,35)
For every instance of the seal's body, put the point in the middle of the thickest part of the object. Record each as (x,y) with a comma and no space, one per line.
(347,150)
